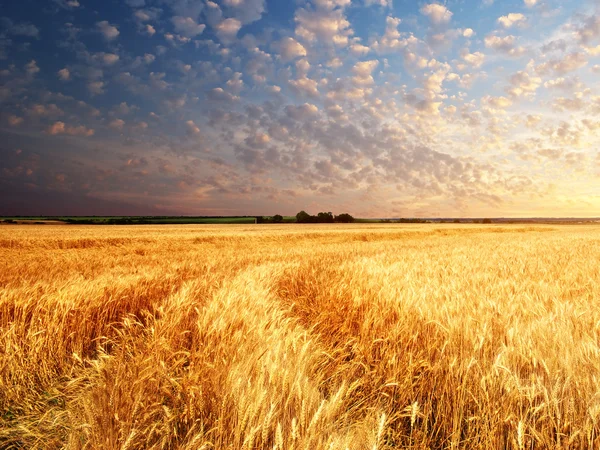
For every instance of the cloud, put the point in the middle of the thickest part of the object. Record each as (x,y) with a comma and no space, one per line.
(192,128)
(362,72)
(32,68)
(107,30)
(531,3)
(246,11)
(507,45)
(227,30)
(20,29)
(117,124)
(15,121)
(67,4)
(187,26)
(589,30)
(96,87)
(64,74)
(186,8)
(512,19)
(149,30)
(304,86)
(289,49)
(327,26)
(437,14)
(475,60)
(384,3)
(569,63)
(61,128)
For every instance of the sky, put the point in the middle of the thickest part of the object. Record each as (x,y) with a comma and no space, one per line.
(378,108)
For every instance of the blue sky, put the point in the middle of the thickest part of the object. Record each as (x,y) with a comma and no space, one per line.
(375,107)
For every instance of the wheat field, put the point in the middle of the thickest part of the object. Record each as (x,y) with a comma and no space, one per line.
(300,337)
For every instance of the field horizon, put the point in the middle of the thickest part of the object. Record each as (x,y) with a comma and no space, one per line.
(337,336)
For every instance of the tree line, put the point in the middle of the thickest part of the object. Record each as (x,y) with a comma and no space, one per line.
(304,217)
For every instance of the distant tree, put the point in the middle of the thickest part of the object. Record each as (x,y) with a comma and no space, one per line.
(456,221)
(486,221)
(325,217)
(303,217)
(260,219)
(277,218)
(344,218)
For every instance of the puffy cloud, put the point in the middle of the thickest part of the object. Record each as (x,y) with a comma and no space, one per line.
(96,87)
(506,44)
(531,3)
(289,49)
(569,63)
(512,19)
(32,68)
(468,32)
(497,102)
(324,26)
(227,30)
(192,128)
(305,86)
(523,85)
(107,30)
(475,60)
(149,30)
(357,49)
(362,72)
(68,4)
(220,95)
(437,14)
(15,121)
(61,128)
(246,11)
(590,29)
(64,74)
(187,26)
(186,8)
(384,3)
(117,124)
(20,29)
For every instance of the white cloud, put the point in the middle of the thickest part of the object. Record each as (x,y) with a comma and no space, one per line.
(305,86)
(227,30)
(437,14)
(192,128)
(473,59)
(32,68)
(324,26)
(96,87)
(109,31)
(289,49)
(20,29)
(117,124)
(64,74)
(187,26)
(531,3)
(68,4)
(363,72)
(246,11)
(512,19)
(506,44)
(384,3)
(61,128)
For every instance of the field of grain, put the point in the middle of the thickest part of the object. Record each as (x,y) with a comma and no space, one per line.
(300,337)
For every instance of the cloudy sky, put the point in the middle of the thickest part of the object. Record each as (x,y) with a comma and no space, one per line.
(380,108)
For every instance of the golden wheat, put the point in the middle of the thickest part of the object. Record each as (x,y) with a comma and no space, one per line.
(300,337)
